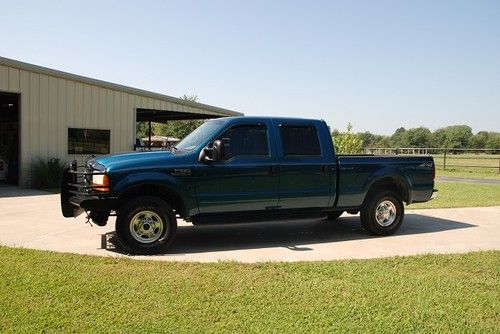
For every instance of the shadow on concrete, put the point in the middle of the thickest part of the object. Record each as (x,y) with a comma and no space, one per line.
(13,191)
(215,238)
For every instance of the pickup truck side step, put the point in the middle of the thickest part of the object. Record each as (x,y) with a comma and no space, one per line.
(249,217)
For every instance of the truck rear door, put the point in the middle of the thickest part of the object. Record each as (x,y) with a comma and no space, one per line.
(305,165)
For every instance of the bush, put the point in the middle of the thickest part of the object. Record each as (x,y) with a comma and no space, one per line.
(46,174)
(347,142)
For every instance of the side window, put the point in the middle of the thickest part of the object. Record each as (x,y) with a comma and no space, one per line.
(245,140)
(299,140)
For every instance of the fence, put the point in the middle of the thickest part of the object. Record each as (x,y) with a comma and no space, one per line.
(458,158)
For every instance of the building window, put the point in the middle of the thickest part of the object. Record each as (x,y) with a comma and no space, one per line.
(300,140)
(88,141)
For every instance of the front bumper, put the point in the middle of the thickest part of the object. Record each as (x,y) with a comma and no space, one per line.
(78,195)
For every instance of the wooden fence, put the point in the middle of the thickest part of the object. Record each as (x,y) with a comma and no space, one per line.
(461,158)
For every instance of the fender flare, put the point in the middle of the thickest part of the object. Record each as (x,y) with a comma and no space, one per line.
(393,175)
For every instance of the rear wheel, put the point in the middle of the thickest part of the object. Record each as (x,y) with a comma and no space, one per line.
(382,213)
(145,225)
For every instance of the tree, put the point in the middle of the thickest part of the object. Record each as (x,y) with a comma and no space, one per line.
(142,129)
(438,138)
(348,142)
(400,138)
(372,140)
(479,140)
(458,136)
(493,141)
(418,137)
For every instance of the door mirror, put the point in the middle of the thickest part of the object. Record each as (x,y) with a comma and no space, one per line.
(218,151)
(214,153)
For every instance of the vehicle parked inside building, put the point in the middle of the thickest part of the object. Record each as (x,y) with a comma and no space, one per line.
(243,169)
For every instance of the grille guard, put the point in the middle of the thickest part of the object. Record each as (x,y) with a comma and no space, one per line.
(76,187)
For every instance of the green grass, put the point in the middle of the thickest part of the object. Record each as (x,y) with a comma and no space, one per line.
(62,293)
(461,194)
(473,173)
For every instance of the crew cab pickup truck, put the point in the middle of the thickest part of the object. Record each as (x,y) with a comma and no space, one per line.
(243,169)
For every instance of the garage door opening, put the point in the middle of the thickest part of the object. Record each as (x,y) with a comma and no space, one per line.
(151,141)
(9,138)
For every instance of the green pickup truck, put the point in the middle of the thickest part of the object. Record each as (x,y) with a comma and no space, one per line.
(243,169)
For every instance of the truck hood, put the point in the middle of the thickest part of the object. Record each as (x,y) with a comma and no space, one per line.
(136,160)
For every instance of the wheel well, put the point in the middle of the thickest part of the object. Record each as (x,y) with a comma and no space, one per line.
(390,183)
(164,193)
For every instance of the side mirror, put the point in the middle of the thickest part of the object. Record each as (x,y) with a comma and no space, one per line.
(218,151)
(214,153)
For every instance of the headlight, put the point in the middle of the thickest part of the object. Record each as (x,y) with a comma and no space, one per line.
(100,182)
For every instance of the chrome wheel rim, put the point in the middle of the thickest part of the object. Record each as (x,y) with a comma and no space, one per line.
(146,227)
(385,214)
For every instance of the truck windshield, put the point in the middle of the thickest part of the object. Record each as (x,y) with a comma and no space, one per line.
(199,135)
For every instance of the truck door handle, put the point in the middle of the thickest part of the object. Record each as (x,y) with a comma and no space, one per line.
(273,170)
(324,169)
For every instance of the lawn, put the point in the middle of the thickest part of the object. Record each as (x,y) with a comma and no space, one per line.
(51,292)
(474,173)
(457,194)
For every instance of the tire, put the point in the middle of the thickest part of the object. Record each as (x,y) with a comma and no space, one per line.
(145,225)
(332,216)
(389,207)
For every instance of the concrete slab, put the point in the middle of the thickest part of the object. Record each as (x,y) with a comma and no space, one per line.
(35,221)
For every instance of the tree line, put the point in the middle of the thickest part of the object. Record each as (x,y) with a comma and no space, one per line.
(453,136)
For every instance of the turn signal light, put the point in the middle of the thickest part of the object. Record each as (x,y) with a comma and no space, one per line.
(100,182)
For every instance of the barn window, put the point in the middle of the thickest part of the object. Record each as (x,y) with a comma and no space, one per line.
(88,141)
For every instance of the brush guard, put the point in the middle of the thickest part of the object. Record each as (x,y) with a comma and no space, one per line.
(79,195)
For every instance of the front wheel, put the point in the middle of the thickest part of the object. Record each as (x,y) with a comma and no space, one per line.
(145,225)
(382,213)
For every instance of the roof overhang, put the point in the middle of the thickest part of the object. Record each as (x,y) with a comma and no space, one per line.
(164,116)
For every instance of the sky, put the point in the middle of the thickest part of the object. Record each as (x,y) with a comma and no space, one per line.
(379,65)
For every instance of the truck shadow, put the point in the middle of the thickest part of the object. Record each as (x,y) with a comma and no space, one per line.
(289,234)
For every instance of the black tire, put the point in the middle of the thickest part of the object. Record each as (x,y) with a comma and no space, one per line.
(391,212)
(333,216)
(145,225)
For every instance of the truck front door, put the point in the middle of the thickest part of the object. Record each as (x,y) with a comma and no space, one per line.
(246,179)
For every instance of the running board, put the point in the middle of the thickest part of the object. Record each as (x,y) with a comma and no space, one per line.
(212,219)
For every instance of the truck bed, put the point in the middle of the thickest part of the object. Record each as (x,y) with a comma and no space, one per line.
(356,173)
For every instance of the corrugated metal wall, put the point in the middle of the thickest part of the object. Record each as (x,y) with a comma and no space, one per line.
(50,104)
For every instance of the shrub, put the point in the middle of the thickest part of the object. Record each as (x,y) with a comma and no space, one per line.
(46,174)
(348,142)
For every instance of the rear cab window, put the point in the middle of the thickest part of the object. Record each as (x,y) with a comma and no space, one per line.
(299,140)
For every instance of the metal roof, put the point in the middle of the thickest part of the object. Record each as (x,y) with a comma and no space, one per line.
(110,85)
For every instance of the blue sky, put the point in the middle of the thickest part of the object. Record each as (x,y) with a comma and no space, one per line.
(377,64)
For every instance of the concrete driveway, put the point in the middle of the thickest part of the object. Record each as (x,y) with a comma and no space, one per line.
(33,220)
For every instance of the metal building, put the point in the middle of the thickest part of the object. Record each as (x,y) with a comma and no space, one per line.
(46,113)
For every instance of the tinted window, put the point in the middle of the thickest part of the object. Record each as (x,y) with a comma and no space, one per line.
(245,140)
(300,140)
(88,141)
